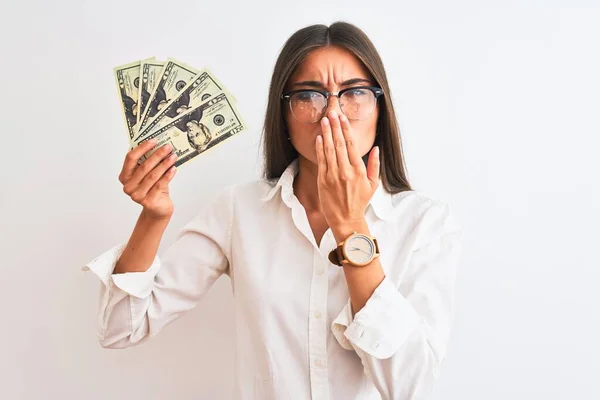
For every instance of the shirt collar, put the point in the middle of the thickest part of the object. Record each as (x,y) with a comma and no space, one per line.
(381,202)
(285,183)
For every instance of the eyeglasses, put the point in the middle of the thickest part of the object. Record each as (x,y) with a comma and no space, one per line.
(308,106)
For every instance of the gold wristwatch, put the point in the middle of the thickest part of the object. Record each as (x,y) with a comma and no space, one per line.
(356,250)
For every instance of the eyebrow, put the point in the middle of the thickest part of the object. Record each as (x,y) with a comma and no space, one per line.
(318,84)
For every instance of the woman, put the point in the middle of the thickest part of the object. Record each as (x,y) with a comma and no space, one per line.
(343,276)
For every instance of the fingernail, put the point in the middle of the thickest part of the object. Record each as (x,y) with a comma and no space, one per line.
(325,120)
(377,151)
(333,114)
(343,118)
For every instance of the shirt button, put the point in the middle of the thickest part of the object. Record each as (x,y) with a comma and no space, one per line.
(319,362)
(320,271)
(317,314)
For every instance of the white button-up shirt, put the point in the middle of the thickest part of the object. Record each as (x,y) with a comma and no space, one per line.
(296,337)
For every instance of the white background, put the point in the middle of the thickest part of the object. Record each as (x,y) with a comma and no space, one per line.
(498,102)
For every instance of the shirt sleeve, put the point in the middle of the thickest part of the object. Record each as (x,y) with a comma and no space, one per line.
(402,332)
(135,306)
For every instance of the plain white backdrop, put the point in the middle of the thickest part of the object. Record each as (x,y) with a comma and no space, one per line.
(498,103)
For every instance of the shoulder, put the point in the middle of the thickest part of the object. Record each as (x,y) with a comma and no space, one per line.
(224,206)
(428,216)
(251,191)
(248,193)
(418,201)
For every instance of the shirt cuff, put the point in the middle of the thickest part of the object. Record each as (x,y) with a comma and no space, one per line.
(381,326)
(137,284)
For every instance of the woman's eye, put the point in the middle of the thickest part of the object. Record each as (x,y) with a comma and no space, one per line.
(306,96)
(357,92)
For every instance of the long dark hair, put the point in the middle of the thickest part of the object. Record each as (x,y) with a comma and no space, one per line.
(278,150)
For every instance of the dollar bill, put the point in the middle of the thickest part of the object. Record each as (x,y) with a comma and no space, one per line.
(202,87)
(198,130)
(150,72)
(175,76)
(127,77)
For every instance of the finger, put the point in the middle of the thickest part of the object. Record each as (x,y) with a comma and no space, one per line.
(155,175)
(149,164)
(339,141)
(162,184)
(131,160)
(373,167)
(328,146)
(321,161)
(354,157)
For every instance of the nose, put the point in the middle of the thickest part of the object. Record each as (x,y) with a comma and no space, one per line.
(333,103)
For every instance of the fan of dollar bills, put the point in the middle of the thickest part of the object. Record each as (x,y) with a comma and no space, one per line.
(176,104)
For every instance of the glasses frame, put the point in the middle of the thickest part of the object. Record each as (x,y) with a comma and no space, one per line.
(377,91)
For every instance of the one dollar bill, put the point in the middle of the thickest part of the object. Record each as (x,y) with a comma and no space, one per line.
(202,87)
(203,127)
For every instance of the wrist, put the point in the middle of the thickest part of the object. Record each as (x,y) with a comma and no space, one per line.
(152,219)
(346,228)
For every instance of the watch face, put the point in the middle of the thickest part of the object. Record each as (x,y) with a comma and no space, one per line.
(359,249)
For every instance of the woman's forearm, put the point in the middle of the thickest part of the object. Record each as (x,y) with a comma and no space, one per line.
(142,247)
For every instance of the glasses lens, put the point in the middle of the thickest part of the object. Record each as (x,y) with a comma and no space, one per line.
(308,106)
(358,103)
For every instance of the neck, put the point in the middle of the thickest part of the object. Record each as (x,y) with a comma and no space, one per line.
(305,185)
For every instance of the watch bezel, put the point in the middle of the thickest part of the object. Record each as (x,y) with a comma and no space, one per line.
(348,260)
